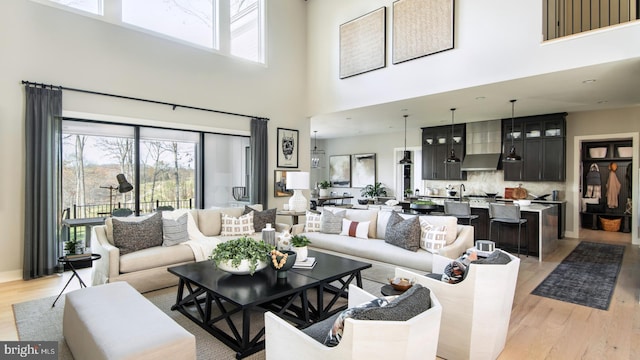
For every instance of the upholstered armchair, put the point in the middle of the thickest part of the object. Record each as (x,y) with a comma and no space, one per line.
(415,338)
(476,311)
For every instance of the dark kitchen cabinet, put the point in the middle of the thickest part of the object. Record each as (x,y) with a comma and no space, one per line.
(436,147)
(540,141)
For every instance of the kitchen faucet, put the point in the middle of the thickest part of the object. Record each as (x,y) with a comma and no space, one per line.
(461,188)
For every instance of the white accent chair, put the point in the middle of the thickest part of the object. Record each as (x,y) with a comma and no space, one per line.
(415,338)
(476,311)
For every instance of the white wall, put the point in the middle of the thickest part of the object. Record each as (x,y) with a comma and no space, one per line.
(494,41)
(44,44)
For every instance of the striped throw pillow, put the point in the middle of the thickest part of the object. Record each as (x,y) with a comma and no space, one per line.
(355,228)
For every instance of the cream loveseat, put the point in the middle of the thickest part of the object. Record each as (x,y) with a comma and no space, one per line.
(146,269)
(459,238)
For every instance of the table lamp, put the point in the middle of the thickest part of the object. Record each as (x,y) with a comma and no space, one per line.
(298,181)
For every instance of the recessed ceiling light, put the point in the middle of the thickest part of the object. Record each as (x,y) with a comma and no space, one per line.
(602,101)
(348,118)
(588,81)
(403,109)
(480,97)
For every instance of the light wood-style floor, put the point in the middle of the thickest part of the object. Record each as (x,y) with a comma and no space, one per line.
(540,328)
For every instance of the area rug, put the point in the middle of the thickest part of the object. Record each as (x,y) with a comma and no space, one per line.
(36,320)
(587,276)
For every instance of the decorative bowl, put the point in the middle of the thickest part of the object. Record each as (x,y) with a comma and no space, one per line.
(291,259)
(401,284)
(363,201)
(242,269)
(452,192)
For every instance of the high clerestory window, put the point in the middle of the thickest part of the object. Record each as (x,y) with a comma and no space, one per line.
(234,27)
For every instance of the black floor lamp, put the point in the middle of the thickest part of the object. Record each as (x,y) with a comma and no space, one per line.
(123,187)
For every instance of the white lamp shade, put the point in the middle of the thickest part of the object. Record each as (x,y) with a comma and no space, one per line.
(298,180)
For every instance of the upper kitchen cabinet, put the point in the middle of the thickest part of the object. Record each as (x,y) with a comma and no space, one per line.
(437,143)
(540,141)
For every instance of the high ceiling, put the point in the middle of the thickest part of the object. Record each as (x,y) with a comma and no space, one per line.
(599,87)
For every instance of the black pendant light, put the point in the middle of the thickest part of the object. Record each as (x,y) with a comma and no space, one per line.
(452,155)
(512,156)
(405,159)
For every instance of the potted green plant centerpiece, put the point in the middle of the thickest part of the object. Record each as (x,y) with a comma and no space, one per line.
(324,188)
(374,190)
(241,256)
(299,245)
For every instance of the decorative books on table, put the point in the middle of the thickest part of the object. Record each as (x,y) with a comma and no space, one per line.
(309,263)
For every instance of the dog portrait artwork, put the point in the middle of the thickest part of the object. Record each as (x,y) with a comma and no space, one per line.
(287,143)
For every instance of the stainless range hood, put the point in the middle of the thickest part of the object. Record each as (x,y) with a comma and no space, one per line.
(483,146)
(481,162)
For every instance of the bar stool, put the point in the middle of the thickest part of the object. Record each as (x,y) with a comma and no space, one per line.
(461,210)
(507,214)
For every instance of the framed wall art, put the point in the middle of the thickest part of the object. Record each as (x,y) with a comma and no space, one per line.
(280,183)
(363,44)
(421,28)
(340,170)
(363,170)
(287,148)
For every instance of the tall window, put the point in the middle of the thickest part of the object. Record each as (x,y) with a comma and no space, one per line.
(246,17)
(167,168)
(198,22)
(189,20)
(90,6)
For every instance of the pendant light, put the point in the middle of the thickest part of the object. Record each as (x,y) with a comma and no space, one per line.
(405,159)
(317,156)
(452,155)
(512,156)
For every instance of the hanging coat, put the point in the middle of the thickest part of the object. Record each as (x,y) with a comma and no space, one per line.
(593,182)
(613,188)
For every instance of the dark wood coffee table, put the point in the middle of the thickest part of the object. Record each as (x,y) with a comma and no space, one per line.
(217,301)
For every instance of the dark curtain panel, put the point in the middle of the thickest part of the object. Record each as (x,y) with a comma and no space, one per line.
(42,181)
(259,162)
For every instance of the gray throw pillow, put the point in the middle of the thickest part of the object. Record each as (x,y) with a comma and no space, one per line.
(404,233)
(495,258)
(174,231)
(261,218)
(331,223)
(133,236)
(412,302)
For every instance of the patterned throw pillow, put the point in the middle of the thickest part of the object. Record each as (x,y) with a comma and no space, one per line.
(355,229)
(233,226)
(331,223)
(335,334)
(174,231)
(313,222)
(261,218)
(404,233)
(432,237)
(130,236)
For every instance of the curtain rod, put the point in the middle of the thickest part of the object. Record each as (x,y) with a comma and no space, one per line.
(174,106)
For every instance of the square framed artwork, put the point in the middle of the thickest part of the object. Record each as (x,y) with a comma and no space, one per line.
(280,183)
(363,170)
(287,147)
(421,28)
(340,170)
(363,43)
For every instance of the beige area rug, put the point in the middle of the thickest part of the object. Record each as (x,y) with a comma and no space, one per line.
(36,320)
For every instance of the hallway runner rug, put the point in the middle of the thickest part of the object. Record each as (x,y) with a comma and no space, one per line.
(587,276)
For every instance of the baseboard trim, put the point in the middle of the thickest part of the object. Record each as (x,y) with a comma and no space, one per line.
(11,275)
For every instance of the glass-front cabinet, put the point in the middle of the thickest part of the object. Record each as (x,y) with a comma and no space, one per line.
(540,141)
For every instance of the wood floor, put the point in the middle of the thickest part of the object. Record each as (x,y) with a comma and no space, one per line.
(540,328)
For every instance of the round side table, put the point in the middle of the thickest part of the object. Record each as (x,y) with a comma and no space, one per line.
(74,259)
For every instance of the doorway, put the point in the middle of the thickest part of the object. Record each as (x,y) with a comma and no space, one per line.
(580,144)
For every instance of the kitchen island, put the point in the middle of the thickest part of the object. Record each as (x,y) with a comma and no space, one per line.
(540,237)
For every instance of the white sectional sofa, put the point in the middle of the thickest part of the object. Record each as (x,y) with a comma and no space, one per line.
(146,269)
(459,237)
